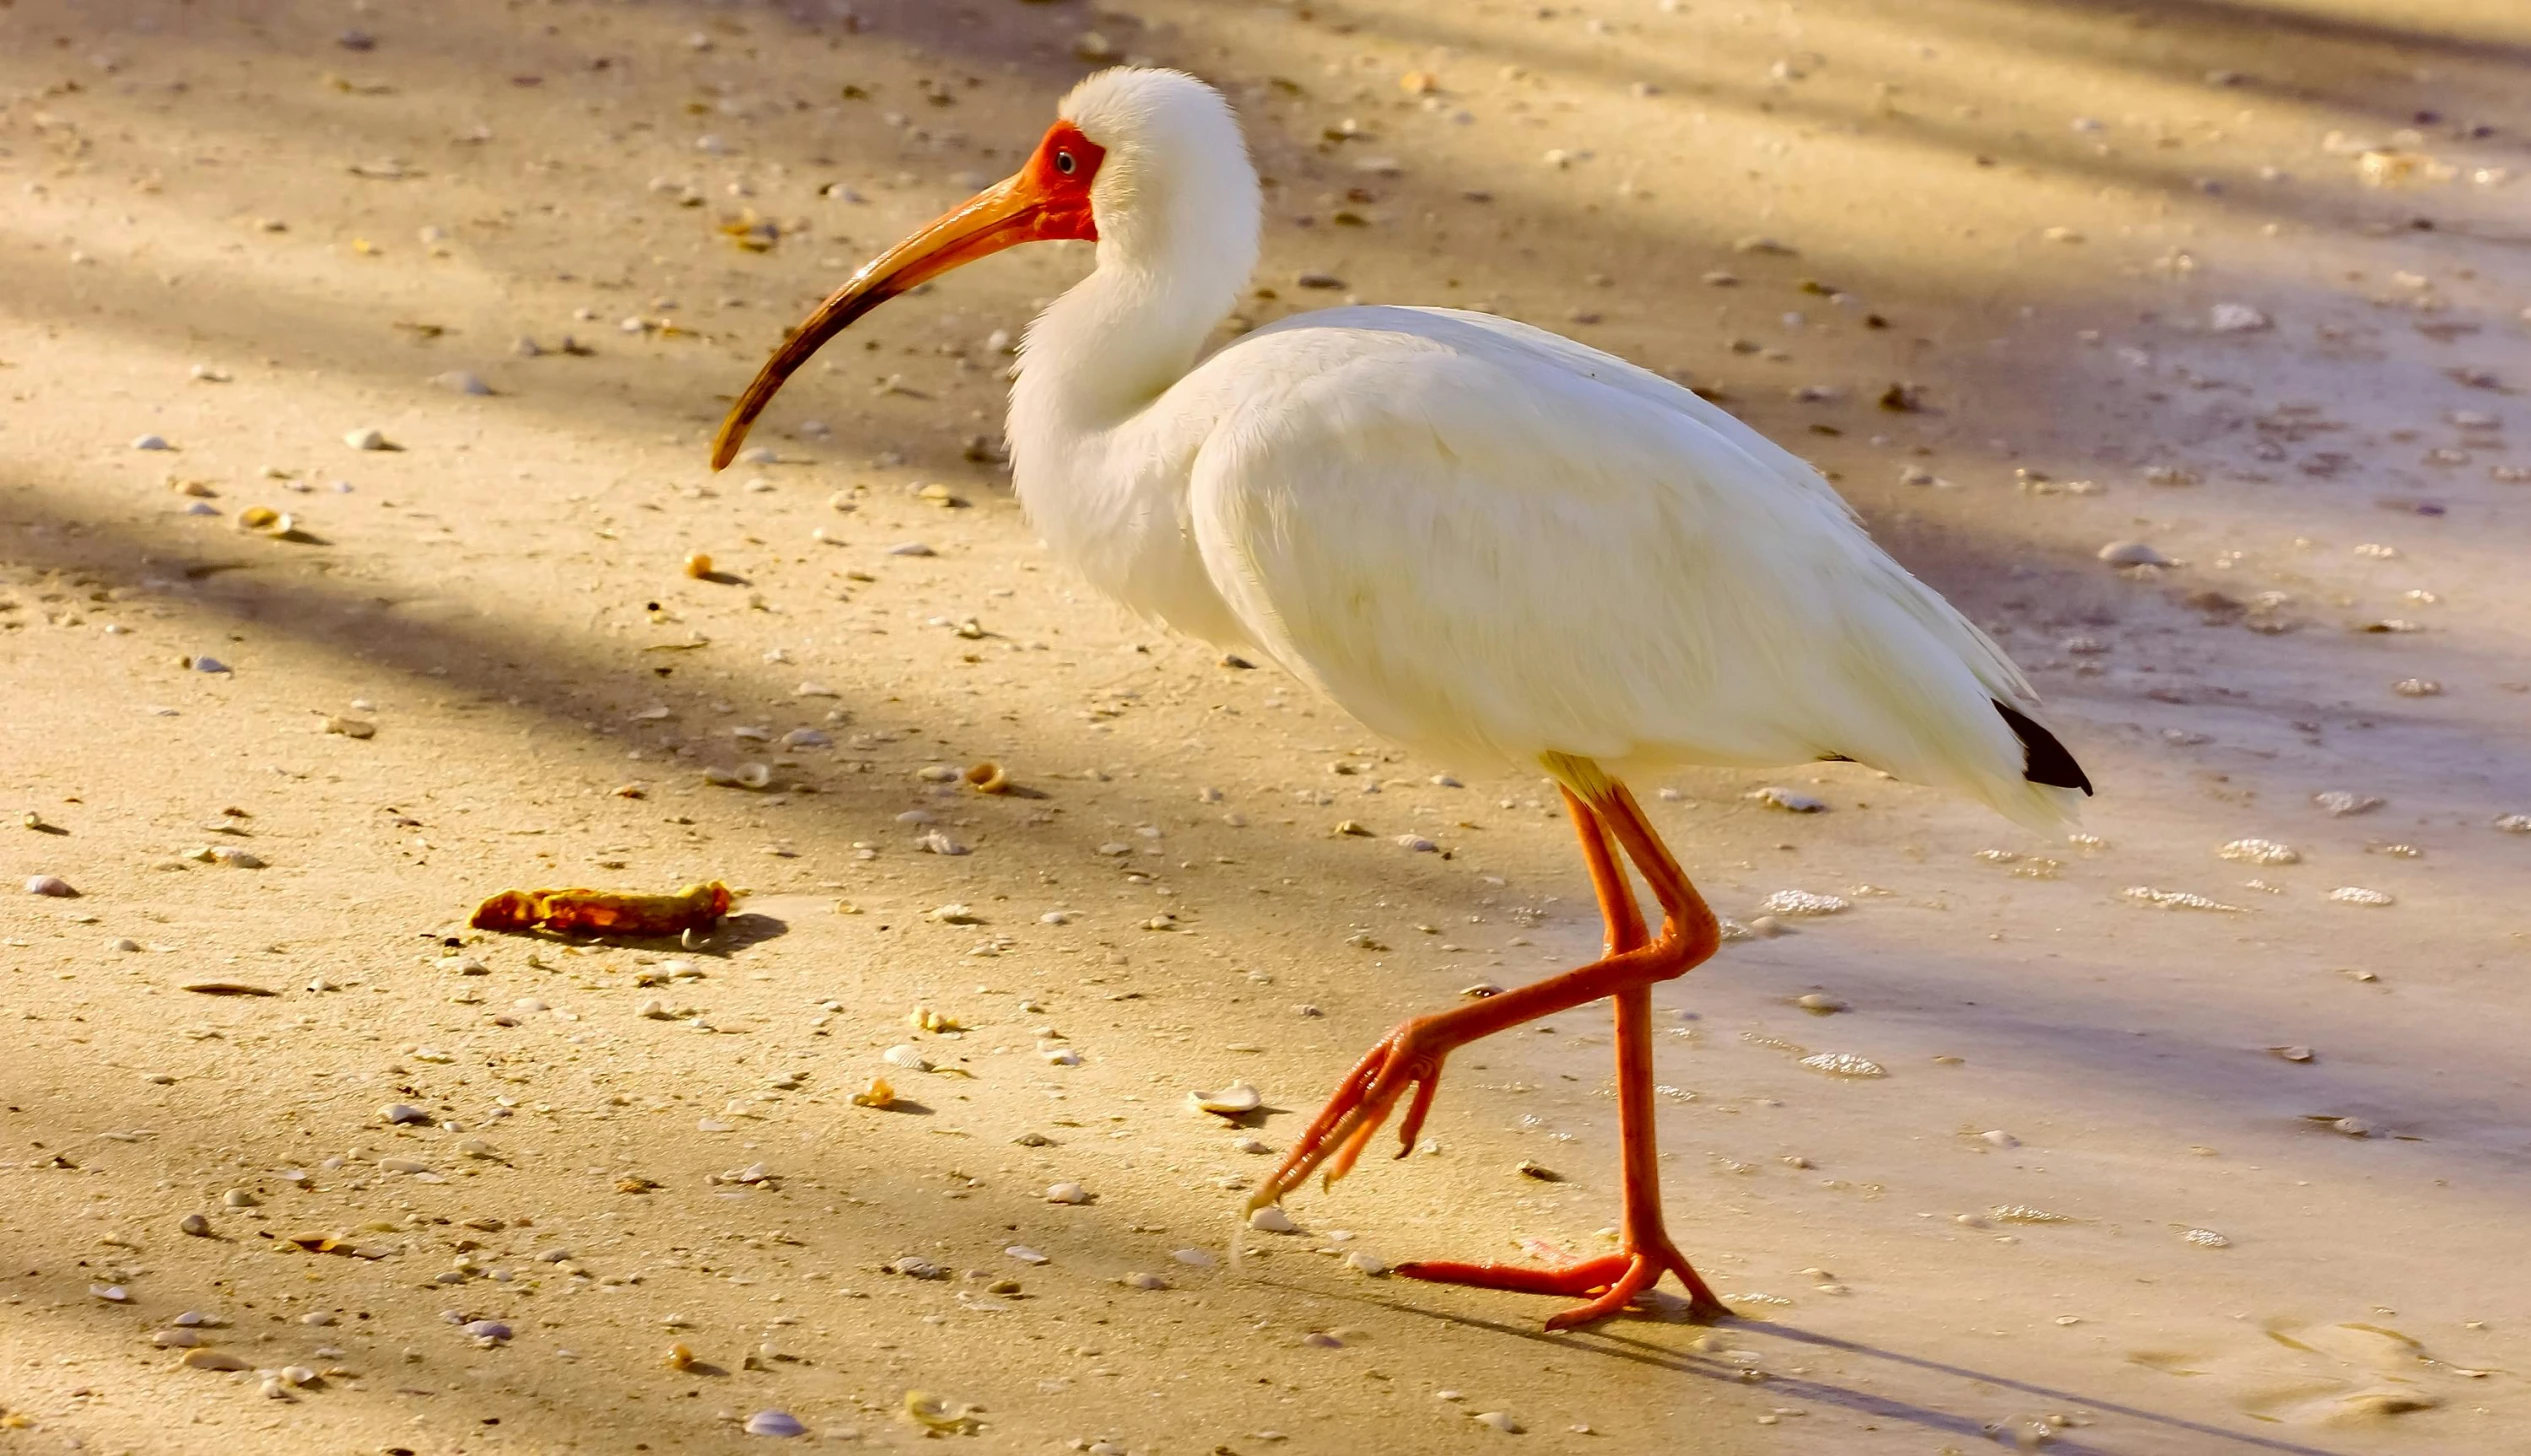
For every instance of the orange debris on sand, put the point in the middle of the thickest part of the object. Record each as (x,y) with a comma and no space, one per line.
(605,912)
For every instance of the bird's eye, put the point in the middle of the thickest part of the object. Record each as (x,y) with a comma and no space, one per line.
(1064,163)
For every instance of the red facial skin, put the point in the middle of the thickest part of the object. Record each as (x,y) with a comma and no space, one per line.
(1046,200)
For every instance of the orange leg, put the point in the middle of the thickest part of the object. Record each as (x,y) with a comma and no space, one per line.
(1630,965)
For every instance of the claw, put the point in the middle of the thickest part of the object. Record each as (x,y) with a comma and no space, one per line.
(1613,1281)
(1343,1129)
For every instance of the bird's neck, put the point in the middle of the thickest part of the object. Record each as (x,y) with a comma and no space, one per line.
(1110,346)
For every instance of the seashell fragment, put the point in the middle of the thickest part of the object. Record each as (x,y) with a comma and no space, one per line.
(1235,1100)
(906,1057)
(2176,900)
(1821,1004)
(2024,1213)
(1271,1219)
(397,1113)
(2338,803)
(2206,1239)
(988,778)
(933,1413)
(2260,851)
(205,1358)
(1787,800)
(923,1018)
(2358,895)
(1844,1064)
(1067,1193)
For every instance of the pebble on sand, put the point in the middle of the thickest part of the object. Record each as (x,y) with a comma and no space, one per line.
(774,1423)
(53,885)
(2236,318)
(462,382)
(2131,553)
(152,442)
(1067,1193)
(367,439)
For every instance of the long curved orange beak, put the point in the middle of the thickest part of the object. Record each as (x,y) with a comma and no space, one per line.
(1032,205)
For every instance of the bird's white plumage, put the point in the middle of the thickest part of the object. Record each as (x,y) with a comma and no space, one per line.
(1483,540)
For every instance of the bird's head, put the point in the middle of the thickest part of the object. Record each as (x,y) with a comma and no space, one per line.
(1147,163)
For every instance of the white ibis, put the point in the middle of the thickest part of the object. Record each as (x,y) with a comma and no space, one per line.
(1486,542)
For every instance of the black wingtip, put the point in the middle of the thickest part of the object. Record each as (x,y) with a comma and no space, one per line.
(2044,760)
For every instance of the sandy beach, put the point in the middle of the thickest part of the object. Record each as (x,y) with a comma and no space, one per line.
(358,364)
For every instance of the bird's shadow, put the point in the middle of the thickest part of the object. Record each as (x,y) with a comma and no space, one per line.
(1612,1340)
(735,933)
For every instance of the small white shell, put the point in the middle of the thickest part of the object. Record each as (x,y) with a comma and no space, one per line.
(1271,1219)
(774,1423)
(1801,902)
(1067,1193)
(1235,1100)
(906,1057)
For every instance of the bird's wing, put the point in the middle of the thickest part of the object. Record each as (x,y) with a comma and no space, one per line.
(1479,538)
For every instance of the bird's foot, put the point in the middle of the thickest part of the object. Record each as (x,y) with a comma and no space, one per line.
(1335,1139)
(1613,1281)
